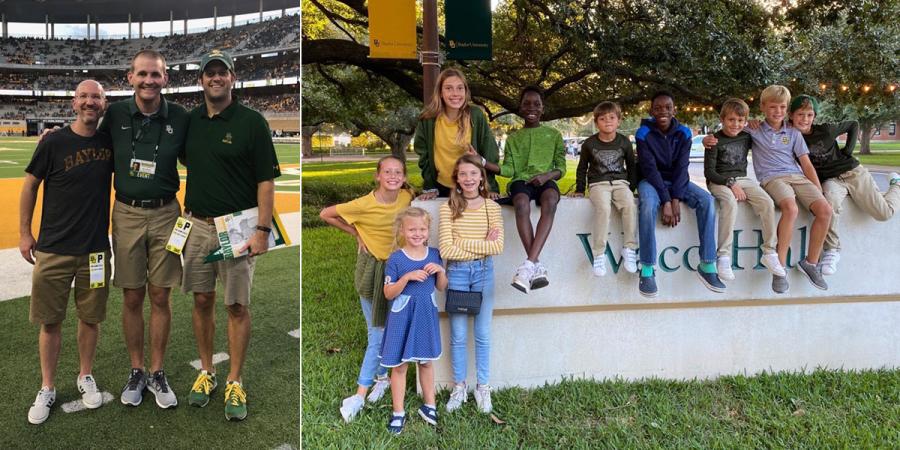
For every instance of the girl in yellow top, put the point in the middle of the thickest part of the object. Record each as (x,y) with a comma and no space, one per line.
(370,219)
(471,230)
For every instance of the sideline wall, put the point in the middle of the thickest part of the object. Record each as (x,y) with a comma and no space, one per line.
(581,326)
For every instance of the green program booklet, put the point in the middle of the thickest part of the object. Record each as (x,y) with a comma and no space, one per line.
(235,229)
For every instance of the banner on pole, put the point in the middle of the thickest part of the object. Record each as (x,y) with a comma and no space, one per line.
(392,29)
(468,25)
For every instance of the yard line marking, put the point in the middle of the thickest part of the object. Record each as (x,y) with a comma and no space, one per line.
(217,358)
(78,405)
(295,333)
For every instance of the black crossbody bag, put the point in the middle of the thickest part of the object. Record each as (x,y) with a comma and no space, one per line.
(466,302)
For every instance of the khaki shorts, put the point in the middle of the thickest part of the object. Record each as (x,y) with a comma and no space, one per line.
(788,186)
(236,274)
(51,282)
(139,237)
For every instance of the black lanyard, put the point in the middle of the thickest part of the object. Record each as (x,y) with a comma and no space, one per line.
(146,121)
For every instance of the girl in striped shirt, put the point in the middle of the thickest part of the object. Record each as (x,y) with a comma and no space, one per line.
(471,230)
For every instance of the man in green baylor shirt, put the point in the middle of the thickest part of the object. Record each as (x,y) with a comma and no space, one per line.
(148,134)
(231,166)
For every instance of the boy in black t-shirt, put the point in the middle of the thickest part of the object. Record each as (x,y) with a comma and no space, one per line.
(607,166)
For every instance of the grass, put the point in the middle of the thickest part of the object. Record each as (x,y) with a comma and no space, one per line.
(15,154)
(270,377)
(819,409)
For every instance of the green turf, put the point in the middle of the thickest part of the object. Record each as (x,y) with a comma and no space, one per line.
(15,154)
(821,409)
(271,375)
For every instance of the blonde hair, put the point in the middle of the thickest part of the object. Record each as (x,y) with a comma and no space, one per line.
(775,93)
(736,106)
(411,212)
(436,106)
(457,201)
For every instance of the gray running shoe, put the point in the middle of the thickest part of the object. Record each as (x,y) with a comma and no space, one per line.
(780,284)
(813,274)
(158,385)
(133,392)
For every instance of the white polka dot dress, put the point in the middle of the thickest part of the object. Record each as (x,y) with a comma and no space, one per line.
(412,332)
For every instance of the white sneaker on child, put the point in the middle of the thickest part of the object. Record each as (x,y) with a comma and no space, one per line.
(829,261)
(771,262)
(378,389)
(351,406)
(457,397)
(629,259)
(522,279)
(539,277)
(894,178)
(483,398)
(599,265)
(723,267)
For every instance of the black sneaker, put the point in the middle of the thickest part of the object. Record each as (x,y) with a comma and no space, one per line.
(711,281)
(133,392)
(159,386)
(647,286)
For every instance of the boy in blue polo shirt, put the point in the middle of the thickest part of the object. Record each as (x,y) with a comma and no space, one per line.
(663,147)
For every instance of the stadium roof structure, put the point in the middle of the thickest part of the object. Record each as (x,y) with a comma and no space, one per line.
(117,11)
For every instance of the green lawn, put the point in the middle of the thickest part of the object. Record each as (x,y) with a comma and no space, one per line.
(820,409)
(271,377)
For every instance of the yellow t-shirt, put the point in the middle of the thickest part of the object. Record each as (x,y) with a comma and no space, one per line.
(375,221)
(447,149)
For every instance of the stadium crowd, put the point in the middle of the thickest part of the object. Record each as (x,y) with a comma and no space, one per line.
(273,33)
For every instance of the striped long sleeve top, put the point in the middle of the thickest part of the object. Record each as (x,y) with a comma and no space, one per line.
(463,239)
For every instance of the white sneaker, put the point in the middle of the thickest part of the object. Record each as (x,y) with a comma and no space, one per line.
(539,276)
(522,278)
(90,395)
(483,398)
(629,259)
(457,397)
(723,268)
(829,261)
(351,406)
(599,265)
(40,409)
(771,262)
(895,178)
(378,389)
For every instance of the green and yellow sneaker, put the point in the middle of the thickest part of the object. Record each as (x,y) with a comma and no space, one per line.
(235,401)
(203,386)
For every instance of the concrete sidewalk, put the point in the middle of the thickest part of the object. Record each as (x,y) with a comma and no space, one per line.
(15,272)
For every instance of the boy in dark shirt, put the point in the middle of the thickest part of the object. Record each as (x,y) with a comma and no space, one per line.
(607,165)
(840,173)
(725,168)
(664,147)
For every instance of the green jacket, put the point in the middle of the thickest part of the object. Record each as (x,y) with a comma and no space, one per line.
(482,140)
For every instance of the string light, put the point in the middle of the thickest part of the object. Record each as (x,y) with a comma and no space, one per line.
(844,87)
(866,88)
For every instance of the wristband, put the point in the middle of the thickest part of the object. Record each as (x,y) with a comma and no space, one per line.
(264,229)
(430,191)
(730,182)
(483,161)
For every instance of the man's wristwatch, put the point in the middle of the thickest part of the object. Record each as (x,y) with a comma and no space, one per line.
(730,182)
(267,230)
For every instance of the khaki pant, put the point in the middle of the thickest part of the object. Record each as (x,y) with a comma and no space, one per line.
(51,283)
(604,196)
(762,205)
(236,274)
(796,186)
(139,237)
(859,185)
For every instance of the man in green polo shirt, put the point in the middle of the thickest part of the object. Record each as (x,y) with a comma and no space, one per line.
(148,134)
(231,167)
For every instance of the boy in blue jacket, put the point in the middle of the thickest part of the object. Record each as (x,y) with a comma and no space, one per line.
(663,147)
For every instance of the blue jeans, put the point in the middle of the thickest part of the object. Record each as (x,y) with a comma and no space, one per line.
(695,197)
(475,275)
(371,364)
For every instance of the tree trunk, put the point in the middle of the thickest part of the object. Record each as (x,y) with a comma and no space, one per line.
(307,133)
(399,144)
(866,129)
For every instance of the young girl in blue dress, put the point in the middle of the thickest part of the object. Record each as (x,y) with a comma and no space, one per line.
(412,332)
